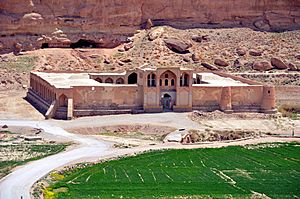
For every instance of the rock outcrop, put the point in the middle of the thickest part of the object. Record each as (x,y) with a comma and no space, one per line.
(177,45)
(262,66)
(278,63)
(107,23)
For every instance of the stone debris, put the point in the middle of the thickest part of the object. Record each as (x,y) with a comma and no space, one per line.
(221,62)
(156,33)
(199,38)
(262,66)
(255,52)
(195,58)
(128,46)
(278,63)
(177,45)
(292,67)
(209,66)
(241,51)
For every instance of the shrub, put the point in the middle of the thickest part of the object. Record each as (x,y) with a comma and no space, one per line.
(288,110)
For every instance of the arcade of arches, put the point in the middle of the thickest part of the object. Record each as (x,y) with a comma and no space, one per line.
(68,95)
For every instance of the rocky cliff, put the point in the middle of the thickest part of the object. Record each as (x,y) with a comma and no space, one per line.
(29,24)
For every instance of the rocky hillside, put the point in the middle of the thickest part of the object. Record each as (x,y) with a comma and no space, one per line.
(238,50)
(29,24)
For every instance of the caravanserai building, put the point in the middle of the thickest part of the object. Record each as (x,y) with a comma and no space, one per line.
(65,95)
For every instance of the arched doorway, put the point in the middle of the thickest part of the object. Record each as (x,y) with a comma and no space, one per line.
(132,78)
(109,80)
(63,101)
(167,102)
(61,112)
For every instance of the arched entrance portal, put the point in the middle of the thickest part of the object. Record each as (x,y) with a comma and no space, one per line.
(167,102)
(132,78)
(63,101)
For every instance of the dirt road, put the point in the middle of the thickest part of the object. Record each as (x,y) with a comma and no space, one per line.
(20,181)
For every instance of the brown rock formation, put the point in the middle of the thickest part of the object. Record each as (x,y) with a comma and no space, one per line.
(278,63)
(59,23)
(177,45)
(262,66)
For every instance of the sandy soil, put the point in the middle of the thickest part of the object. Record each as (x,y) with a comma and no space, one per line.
(14,106)
(134,131)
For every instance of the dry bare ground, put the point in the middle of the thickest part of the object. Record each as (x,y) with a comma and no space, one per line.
(219,43)
(14,106)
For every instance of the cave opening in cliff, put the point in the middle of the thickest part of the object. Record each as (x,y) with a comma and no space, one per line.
(82,43)
(45,45)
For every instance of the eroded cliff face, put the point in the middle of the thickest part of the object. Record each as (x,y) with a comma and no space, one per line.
(28,24)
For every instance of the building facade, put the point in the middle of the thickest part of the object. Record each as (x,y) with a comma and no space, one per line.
(65,95)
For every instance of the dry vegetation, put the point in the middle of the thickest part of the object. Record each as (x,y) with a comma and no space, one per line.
(219,43)
(290,110)
(138,131)
(220,135)
(17,148)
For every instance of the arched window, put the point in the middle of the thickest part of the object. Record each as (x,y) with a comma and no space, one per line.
(166,82)
(132,78)
(98,80)
(120,81)
(181,80)
(168,78)
(160,82)
(184,80)
(109,80)
(151,80)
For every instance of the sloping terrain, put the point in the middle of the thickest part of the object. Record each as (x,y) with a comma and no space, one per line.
(232,47)
(28,25)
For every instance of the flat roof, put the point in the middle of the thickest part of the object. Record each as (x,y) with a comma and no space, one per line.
(108,74)
(67,80)
(211,79)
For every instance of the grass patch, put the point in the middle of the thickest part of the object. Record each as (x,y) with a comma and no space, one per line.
(20,63)
(291,111)
(232,172)
(33,151)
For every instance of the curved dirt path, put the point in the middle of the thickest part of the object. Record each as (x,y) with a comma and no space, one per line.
(18,183)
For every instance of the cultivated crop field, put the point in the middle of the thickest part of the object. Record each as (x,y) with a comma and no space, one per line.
(257,171)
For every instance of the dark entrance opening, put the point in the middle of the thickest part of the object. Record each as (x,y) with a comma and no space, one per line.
(45,45)
(166,101)
(82,43)
(132,78)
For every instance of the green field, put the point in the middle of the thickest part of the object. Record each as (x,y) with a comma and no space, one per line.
(239,172)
